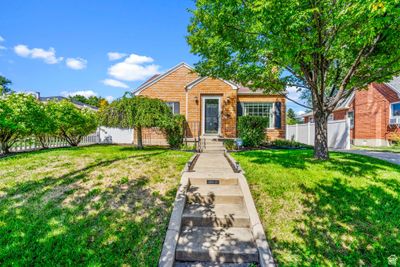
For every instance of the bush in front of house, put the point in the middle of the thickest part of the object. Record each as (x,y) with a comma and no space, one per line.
(174,130)
(394,138)
(283,143)
(252,130)
(230,144)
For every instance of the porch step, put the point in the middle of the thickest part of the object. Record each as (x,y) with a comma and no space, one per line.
(219,215)
(219,245)
(213,181)
(215,194)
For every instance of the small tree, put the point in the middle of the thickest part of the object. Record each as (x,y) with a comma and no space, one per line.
(4,85)
(45,126)
(19,113)
(252,130)
(174,130)
(291,117)
(329,48)
(72,123)
(136,112)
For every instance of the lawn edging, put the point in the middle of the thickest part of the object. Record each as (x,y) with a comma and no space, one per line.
(167,257)
(264,252)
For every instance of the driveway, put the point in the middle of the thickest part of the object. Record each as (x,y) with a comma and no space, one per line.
(388,156)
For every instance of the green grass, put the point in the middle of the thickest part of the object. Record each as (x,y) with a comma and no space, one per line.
(341,212)
(394,149)
(91,206)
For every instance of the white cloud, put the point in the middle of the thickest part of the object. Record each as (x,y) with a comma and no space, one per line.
(115,83)
(109,98)
(48,56)
(85,93)
(115,55)
(133,68)
(293,92)
(2,47)
(76,63)
(1,39)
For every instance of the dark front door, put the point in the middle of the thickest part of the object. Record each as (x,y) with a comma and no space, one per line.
(211,108)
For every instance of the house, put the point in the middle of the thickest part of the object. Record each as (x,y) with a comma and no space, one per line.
(78,104)
(211,106)
(374,114)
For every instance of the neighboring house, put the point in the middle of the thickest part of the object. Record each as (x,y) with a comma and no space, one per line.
(78,104)
(374,114)
(211,106)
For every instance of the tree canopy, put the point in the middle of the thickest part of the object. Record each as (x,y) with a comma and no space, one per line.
(94,101)
(4,85)
(328,47)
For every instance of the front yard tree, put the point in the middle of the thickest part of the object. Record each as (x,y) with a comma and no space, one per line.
(328,47)
(136,112)
(72,123)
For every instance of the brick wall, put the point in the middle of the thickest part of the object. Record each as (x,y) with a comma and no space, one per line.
(272,134)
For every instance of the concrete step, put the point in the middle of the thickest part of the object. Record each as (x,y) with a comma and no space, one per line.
(215,194)
(221,245)
(219,215)
(211,264)
(216,181)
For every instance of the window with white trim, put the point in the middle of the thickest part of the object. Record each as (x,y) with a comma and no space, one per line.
(262,109)
(174,106)
(395,110)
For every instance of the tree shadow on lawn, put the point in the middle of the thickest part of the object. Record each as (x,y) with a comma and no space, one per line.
(344,225)
(62,221)
(345,163)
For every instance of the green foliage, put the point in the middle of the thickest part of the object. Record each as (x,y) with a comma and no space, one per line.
(283,143)
(174,130)
(230,144)
(71,122)
(94,101)
(137,112)
(329,48)
(19,116)
(291,117)
(252,130)
(4,85)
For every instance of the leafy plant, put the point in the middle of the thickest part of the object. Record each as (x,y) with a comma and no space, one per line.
(4,85)
(394,138)
(230,144)
(252,130)
(327,48)
(174,130)
(72,123)
(288,144)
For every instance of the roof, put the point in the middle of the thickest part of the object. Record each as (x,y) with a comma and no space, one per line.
(200,79)
(59,98)
(247,91)
(158,77)
(395,84)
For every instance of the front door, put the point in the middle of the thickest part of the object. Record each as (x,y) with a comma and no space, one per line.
(211,115)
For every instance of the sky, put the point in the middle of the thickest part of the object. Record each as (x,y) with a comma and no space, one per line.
(92,47)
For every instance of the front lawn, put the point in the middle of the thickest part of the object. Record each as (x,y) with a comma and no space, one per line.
(342,212)
(97,205)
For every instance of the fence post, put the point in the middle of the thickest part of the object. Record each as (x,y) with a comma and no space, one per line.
(297,132)
(308,133)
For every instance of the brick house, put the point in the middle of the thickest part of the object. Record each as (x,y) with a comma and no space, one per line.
(211,106)
(374,114)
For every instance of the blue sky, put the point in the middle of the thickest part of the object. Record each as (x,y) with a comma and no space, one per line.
(94,47)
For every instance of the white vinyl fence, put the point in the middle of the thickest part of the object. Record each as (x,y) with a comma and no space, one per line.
(115,135)
(338,133)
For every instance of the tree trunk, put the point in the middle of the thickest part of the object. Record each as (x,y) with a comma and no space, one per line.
(42,140)
(321,135)
(5,147)
(139,137)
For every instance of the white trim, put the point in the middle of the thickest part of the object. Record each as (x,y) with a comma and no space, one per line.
(199,80)
(162,76)
(203,121)
(393,89)
(390,111)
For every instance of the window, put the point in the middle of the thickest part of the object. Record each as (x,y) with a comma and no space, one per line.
(395,110)
(174,106)
(350,116)
(260,109)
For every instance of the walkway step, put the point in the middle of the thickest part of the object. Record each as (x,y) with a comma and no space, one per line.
(215,194)
(221,245)
(219,215)
(215,181)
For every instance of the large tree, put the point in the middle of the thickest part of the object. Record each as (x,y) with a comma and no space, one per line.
(136,112)
(327,47)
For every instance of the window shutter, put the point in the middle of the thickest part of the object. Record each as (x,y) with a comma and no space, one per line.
(278,114)
(176,108)
(239,109)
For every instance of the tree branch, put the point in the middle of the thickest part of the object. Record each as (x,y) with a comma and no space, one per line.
(294,101)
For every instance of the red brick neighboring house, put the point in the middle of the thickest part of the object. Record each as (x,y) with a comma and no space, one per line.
(374,114)
(211,106)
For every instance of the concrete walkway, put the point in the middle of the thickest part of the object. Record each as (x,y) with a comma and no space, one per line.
(387,156)
(212,164)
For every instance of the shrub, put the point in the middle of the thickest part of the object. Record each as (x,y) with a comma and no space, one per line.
(72,123)
(230,144)
(252,130)
(289,144)
(394,138)
(174,130)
